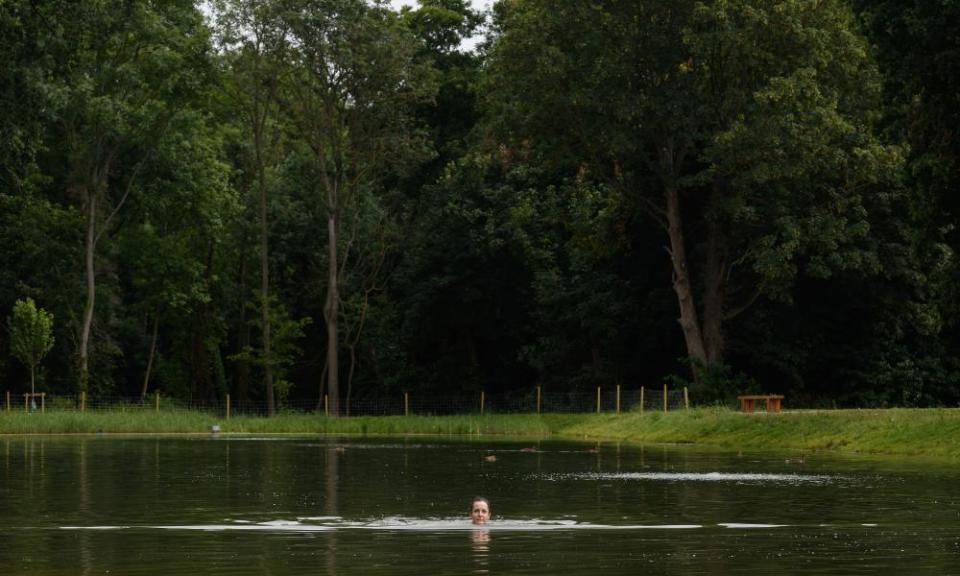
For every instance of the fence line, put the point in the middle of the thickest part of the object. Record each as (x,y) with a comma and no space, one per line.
(600,400)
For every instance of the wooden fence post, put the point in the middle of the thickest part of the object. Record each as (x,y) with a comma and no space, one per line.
(26,403)
(664,398)
(43,402)
(326,405)
(618,399)
(483,401)
(228,405)
(156,400)
(686,399)
(598,399)
(642,390)
(538,399)
(406,403)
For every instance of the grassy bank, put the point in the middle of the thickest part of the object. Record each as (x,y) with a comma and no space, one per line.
(926,432)
(192,422)
(931,432)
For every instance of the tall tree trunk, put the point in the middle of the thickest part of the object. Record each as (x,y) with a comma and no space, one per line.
(330,311)
(323,386)
(153,349)
(202,384)
(689,321)
(243,339)
(89,248)
(199,359)
(714,288)
(352,343)
(265,289)
(353,363)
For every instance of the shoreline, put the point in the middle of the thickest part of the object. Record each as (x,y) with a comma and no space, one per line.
(931,432)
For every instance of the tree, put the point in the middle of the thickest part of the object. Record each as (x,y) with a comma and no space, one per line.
(461,299)
(257,38)
(123,71)
(352,86)
(442,26)
(186,205)
(573,238)
(25,35)
(31,335)
(40,243)
(743,129)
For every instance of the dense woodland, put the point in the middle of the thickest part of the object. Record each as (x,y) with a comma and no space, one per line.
(280,199)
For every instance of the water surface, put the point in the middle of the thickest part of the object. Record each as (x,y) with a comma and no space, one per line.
(280,505)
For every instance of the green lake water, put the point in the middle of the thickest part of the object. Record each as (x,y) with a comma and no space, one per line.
(238,506)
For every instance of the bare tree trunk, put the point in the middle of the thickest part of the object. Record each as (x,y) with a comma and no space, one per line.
(265,288)
(243,339)
(714,289)
(323,386)
(352,343)
(201,381)
(89,248)
(331,310)
(153,349)
(353,363)
(689,321)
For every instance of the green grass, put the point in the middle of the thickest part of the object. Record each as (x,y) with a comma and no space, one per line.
(145,421)
(927,432)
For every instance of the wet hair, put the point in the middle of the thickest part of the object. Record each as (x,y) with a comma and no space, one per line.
(476,499)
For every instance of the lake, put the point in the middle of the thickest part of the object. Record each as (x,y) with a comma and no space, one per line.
(281,505)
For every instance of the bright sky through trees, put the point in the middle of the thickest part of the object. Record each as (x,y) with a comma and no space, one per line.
(481,5)
(478,4)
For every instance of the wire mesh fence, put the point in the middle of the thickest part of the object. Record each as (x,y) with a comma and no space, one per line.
(535,400)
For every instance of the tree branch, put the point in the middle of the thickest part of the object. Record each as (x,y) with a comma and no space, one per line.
(123,199)
(757,291)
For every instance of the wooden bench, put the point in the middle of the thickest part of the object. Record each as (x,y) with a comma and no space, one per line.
(747,402)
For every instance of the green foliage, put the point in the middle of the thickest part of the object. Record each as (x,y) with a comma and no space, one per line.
(502,216)
(572,237)
(718,384)
(767,106)
(463,286)
(286,332)
(31,334)
(744,129)
(352,94)
(442,24)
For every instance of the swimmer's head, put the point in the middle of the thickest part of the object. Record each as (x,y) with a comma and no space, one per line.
(479,510)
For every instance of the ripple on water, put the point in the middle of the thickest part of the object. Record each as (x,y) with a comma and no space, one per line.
(458,524)
(737,477)
(328,523)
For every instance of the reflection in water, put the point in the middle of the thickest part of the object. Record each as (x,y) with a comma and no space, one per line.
(86,560)
(480,540)
(331,478)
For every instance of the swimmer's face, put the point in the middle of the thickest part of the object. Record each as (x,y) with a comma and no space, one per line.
(480,512)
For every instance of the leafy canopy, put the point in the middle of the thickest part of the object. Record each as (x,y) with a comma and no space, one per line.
(31,332)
